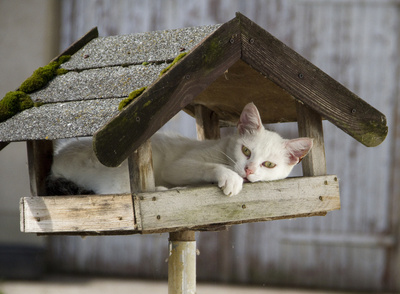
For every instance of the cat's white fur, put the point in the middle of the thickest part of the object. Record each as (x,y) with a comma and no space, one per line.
(180,161)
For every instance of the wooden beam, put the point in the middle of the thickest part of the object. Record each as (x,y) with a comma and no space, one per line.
(40,159)
(75,214)
(186,209)
(207,123)
(312,86)
(194,207)
(141,175)
(168,95)
(310,125)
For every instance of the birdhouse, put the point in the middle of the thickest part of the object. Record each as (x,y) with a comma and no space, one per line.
(123,89)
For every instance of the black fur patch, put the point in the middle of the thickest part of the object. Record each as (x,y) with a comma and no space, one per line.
(61,186)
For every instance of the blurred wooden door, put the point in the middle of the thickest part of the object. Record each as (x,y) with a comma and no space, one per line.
(354,41)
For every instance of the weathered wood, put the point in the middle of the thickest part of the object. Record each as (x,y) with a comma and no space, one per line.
(186,209)
(141,175)
(63,214)
(311,85)
(141,169)
(257,201)
(90,35)
(182,264)
(40,158)
(241,84)
(207,123)
(310,125)
(178,87)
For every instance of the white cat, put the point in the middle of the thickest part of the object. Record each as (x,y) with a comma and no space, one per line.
(253,154)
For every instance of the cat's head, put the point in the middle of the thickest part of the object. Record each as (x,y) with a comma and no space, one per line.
(262,155)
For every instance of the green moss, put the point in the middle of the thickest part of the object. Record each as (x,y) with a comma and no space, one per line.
(14,102)
(145,63)
(176,60)
(17,101)
(213,53)
(61,71)
(43,75)
(133,95)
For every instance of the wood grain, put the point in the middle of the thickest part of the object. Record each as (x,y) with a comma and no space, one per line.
(311,85)
(141,175)
(192,207)
(168,95)
(185,209)
(74,214)
(40,159)
(310,125)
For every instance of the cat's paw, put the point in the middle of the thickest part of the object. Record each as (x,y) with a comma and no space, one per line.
(230,182)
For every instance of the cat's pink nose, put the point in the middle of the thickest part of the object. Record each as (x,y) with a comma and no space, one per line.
(248,171)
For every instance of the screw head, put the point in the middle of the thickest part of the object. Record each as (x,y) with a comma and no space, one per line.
(300,75)
(251,41)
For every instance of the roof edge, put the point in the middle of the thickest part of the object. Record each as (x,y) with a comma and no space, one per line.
(171,92)
(310,85)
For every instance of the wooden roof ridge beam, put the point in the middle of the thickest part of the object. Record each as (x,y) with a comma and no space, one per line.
(170,93)
(311,85)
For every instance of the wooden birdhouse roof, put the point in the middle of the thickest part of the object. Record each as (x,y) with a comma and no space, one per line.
(226,67)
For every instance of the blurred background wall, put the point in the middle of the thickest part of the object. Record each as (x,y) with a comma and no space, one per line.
(354,41)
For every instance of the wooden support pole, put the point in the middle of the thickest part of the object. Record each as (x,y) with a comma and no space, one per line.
(310,125)
(141,169)
(40,158)
(141,176)
(207,123)
(182,263)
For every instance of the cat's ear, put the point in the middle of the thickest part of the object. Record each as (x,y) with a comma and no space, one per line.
(250,120)
(297,149)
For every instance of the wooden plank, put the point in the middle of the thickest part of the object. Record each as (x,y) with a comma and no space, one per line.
(311,85)
(310,125)
(40,158)
(241,84)
(167,96)
(207,123)
(174,210)
(141,175)
(77,214)
(141,169)
(194,207)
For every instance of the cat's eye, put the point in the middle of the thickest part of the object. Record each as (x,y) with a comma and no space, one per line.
(269,164)
(246,151)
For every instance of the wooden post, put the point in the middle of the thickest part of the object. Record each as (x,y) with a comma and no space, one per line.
(40,158)
(141,176)
(141,169)
(182,263)
(310,125)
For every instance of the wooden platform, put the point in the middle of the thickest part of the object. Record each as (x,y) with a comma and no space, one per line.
(198,208)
